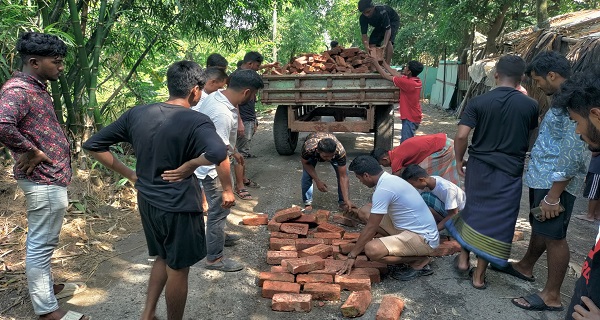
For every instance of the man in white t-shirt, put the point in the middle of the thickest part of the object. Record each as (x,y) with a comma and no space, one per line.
(221,108)
(444,198)
(216,79)
(400,215)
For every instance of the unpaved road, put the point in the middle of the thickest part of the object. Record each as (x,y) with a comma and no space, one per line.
(117,290)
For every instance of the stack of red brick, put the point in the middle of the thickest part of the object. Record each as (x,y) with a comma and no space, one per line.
(336,60)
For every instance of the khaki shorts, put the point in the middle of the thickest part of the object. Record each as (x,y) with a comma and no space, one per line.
(403,243)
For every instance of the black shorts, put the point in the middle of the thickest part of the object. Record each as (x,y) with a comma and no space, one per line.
(176,237)
(554,228)
(592,186)
(377,35)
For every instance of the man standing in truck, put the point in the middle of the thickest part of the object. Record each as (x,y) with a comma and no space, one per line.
(385,21)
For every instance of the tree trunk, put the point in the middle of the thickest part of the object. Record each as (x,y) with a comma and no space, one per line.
(496,28)
(541,10)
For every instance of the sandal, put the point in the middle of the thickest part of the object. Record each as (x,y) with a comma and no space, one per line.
(535,303)
(70,289)
(243,194)
(73,315)
(481,287)
(251,184)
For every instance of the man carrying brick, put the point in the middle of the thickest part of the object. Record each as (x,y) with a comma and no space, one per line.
(398,213)
(167,135)
(385,21)
(410,93)
(220,107)
(324,147)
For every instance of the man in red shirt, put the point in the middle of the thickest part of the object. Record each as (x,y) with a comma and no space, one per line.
(432,152)
(410,92)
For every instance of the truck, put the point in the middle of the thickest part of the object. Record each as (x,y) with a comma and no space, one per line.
(358,102)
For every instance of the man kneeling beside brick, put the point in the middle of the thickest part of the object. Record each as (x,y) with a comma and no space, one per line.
(399,213)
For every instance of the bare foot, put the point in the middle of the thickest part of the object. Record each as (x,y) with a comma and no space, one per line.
(585,217)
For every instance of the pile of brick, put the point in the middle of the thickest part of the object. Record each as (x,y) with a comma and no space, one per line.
(336,60)
(305,253)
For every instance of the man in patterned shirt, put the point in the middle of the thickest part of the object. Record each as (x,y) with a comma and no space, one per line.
(30,130)
(555,175)
(324,147)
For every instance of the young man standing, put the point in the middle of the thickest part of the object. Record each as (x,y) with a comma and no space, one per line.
(324,147)
(400,215)
(410,94)
(216,79)
(217,60)
(555,175)
(220,107)
(580,97)
(166,136)
(385,22)
(503,120)
(30,130)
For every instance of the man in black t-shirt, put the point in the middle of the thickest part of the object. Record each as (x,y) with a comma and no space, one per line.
(385,22)
(170,142)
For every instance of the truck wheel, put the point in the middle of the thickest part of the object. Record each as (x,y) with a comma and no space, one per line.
(285,140)
(384,127)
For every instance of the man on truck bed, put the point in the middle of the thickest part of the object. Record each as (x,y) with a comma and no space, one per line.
(385,22)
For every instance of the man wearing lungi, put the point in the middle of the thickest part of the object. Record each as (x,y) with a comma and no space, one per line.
(555,175)
(503,120)
(432,152)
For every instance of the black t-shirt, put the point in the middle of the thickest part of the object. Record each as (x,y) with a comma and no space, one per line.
(503,119)
(382,19)
(164,137)
(589,283)
(248,110)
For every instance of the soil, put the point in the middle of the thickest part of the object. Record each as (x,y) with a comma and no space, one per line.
(102,244)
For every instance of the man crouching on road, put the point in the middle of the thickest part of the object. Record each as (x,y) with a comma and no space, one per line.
(398,213)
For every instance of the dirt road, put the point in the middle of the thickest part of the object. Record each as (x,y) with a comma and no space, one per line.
(117,289)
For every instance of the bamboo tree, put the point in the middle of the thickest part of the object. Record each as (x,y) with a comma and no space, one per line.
(93,103)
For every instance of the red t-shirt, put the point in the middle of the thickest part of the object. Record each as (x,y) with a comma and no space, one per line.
(410,92)
(415,150)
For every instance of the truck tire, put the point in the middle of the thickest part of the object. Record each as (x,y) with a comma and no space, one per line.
(384,127)
(285,140)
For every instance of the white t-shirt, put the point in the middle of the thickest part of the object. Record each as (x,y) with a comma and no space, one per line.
(225,117)
(406,208)
(202,98)
(453,196)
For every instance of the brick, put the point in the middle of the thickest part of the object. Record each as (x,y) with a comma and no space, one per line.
(288,248)
(270,288)
(274,276)
(338,218)
(353,282)
(273,226)
(322,215)
(287,214)
(302,244)
(291,302)
(331,267)
(346,248)
(277,243)
(336,249)
(373,273)
(309,219)
(279,269)
(362,257)
(296,228)
(275,257)
(256,220)
(351,236)
(328,227)
(305,264)
(372,264)
(320,250)
(337,242)
(314,278)
(340,256)
(323,291)
(357,304)
(283,235)
(390,308)
(327,235)
(446,248)
(518,236)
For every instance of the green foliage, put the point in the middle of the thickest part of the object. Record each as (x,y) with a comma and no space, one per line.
(301,31)
(341,23)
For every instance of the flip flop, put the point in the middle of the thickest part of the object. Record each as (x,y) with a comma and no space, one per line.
(513,272)
(536,303)
(482,287)
(73,315)
(243,194)
(458,270)
(251,184)
(70,289)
